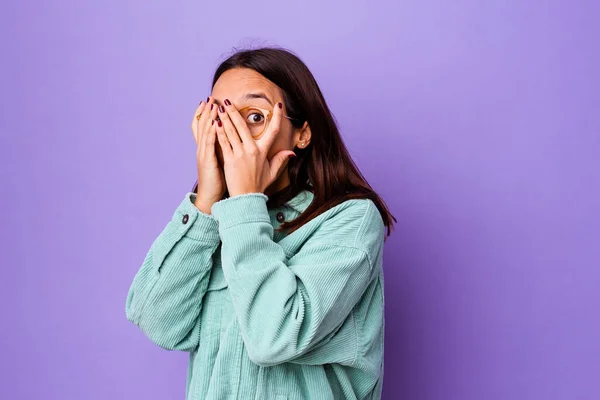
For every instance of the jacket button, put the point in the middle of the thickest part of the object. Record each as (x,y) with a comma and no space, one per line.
(185,218)
(280,216)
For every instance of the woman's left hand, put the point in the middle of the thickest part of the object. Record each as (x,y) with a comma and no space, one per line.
(246,167)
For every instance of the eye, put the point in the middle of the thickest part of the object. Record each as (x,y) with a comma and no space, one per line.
(255,118)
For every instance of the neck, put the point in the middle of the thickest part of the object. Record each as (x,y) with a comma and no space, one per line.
(279,183)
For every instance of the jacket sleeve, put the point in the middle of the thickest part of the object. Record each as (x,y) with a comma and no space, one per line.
(287,307)
(165,298)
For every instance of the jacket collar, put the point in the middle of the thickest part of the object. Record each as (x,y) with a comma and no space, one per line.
(301,201)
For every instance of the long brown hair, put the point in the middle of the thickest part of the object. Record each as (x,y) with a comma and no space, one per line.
(325,162)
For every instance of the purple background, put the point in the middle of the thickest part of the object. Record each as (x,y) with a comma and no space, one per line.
(478,122)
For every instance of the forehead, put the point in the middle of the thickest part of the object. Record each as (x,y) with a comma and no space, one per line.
(234,84)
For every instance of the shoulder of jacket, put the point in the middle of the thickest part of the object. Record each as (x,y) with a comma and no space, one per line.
(360,221)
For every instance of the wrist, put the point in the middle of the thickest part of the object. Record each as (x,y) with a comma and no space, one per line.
(244,191)
(203,207)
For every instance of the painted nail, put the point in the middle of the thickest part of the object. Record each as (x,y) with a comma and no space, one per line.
(227,102)
(219,122)
(212,122)
(200,102)
(222,109)
(208,99)
(212,106)
(280,105)
(291,155)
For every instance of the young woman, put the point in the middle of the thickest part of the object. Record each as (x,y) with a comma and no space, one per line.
(270,271)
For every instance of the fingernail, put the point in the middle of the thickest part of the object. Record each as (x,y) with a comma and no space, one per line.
(200,102)
(222,109)
(291,155)
(208,99)
(280,105)
(227,102)
(212,122)
(219,122)
(212,106)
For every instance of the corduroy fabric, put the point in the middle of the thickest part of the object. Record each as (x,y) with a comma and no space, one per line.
(265,315)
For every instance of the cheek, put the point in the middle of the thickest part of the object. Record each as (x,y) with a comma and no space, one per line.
(283,141)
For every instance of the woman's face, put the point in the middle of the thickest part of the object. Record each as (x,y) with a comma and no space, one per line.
(246,87)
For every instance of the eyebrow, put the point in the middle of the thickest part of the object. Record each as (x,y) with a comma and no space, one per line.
(250,96)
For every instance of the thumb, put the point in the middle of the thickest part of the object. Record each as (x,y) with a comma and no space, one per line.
(279,161)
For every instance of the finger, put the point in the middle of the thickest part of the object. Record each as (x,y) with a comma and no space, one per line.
(223,141)
(211,109)
(201,123)
(266,140)
(199,110)
(230,131)
(208,101)
(240,124)
(210,139)
(197,114)
(212,116)
(208,142)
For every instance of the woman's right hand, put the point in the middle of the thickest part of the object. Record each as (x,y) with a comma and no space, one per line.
(211,179)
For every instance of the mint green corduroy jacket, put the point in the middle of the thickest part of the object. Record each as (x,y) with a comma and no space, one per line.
(265,315)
